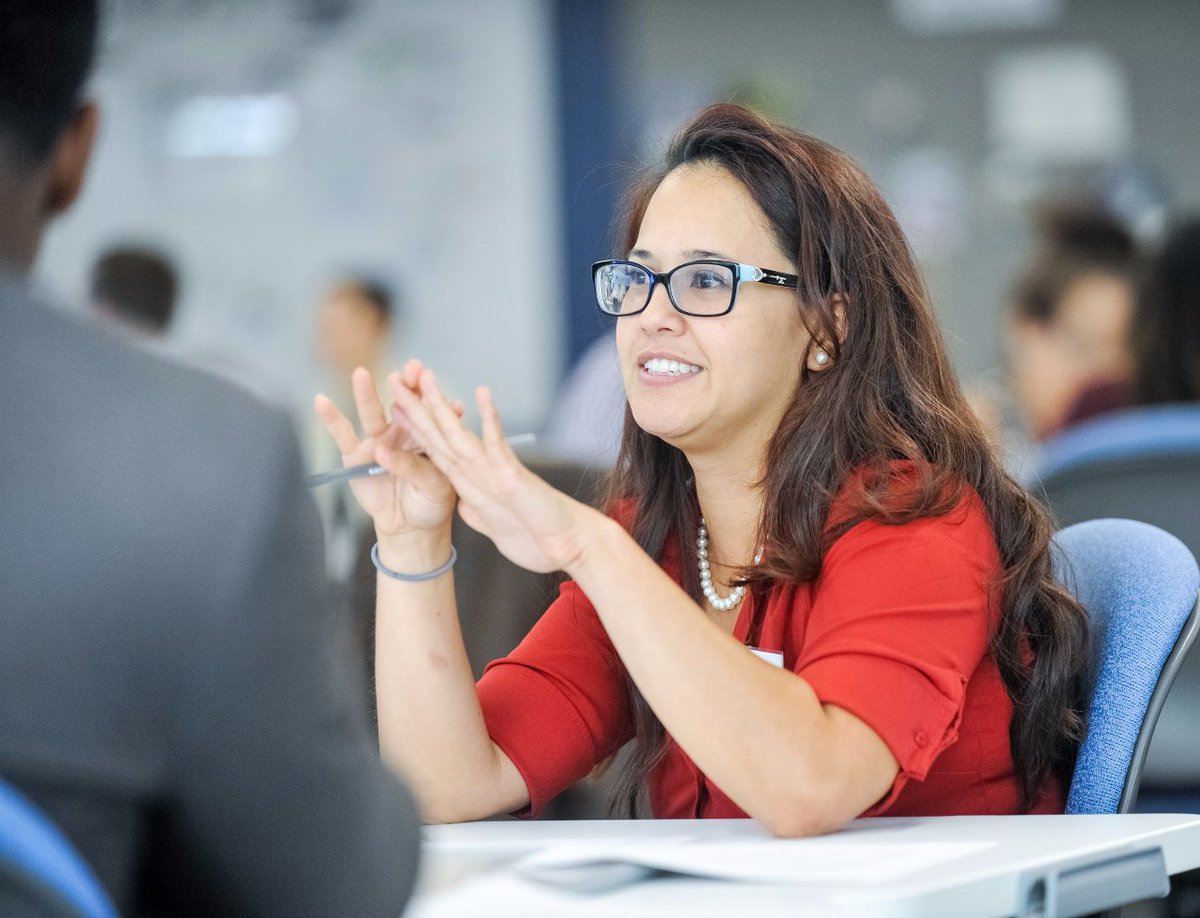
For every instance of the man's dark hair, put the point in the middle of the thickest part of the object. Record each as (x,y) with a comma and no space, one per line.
(46,49)
(139,286)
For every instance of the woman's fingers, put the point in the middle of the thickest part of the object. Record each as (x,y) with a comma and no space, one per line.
(414,415)
(449,422)
(411,373)
(402,437)
(337,424)
(401,423)
(493,435)
(407,377)
(396,436)
(366,400)
(434,426)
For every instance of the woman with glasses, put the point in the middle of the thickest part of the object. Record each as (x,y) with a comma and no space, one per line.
(813,593)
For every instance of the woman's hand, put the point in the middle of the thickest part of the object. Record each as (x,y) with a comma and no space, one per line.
(414,495)
(531,523)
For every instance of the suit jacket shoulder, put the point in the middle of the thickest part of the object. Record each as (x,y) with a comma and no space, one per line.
(177,694)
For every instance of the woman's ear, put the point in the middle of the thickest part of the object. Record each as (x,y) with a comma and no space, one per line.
(839,315)
(819,358)
(821,353)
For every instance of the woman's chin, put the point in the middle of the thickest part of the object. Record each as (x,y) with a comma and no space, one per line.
(674,431)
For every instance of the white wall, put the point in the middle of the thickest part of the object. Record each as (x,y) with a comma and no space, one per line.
(424,148)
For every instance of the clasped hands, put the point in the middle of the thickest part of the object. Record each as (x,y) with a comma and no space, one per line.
(433,459)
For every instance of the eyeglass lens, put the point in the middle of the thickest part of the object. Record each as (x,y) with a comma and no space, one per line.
(701,288)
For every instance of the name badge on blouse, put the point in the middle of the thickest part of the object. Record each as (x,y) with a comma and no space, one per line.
(774,657)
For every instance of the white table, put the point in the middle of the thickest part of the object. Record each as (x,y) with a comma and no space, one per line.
(981,866)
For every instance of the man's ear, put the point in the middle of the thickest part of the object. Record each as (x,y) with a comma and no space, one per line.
(69,159)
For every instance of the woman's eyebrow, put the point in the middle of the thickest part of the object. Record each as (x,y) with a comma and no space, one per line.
(705,253)
(690,254)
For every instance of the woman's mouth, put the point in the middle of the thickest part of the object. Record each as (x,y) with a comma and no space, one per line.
(660,366)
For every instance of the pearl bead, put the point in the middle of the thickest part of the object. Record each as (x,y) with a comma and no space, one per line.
(721,604)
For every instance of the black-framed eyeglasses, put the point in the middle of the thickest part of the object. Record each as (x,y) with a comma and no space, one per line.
(707,287)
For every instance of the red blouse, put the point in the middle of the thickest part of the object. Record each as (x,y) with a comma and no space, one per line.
(894,630)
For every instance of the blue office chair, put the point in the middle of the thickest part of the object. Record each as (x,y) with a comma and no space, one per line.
(1132,434)
(1141,464)
(1139,585)
(40,867)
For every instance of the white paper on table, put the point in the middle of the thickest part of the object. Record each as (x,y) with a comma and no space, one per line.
(830,860)
(463,843)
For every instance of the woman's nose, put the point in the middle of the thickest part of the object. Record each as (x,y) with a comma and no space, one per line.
(660,312)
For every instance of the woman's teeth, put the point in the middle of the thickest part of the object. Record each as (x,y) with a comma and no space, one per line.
(669,367)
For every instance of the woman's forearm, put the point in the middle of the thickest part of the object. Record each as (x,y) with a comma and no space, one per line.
(431,728)
(760,733)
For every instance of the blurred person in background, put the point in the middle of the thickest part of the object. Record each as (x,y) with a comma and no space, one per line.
(1143,463)
(175,698)
(1166,328)
(353,327)
(355,320)
(136,286)
(1068,331)
(136,289)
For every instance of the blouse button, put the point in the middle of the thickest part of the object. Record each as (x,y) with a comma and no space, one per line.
(921,738)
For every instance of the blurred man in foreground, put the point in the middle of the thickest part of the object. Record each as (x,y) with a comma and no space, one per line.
(174,698)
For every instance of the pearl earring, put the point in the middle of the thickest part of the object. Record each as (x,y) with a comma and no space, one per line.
(822,358)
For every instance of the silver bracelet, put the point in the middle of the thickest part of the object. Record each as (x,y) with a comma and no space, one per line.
(412,578)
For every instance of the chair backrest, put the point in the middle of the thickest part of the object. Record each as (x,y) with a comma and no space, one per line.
(1161,490)
(1139,585)
(1141,464)
(40,867)
(1152,430)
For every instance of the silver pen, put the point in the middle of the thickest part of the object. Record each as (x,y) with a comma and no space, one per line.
(358,471)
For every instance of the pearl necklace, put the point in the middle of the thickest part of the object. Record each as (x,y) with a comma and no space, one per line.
(706,584)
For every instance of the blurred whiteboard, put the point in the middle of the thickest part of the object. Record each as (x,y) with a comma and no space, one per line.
(419,143)
(1060,104)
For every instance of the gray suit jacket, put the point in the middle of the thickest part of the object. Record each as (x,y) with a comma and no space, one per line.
(172,692)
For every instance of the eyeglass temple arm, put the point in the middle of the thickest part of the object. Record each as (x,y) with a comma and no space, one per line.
(755,273)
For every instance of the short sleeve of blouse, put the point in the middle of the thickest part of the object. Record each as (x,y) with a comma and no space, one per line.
(900,619)
(558,704)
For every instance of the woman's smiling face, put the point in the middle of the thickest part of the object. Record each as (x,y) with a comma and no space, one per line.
(736,373)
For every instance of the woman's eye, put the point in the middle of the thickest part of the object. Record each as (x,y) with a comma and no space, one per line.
(632,278)
(706,280)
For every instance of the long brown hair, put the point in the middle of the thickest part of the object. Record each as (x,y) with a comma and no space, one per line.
(889,394)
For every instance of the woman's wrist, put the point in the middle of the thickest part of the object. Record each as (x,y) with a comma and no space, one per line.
(414,550)
(593,531)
